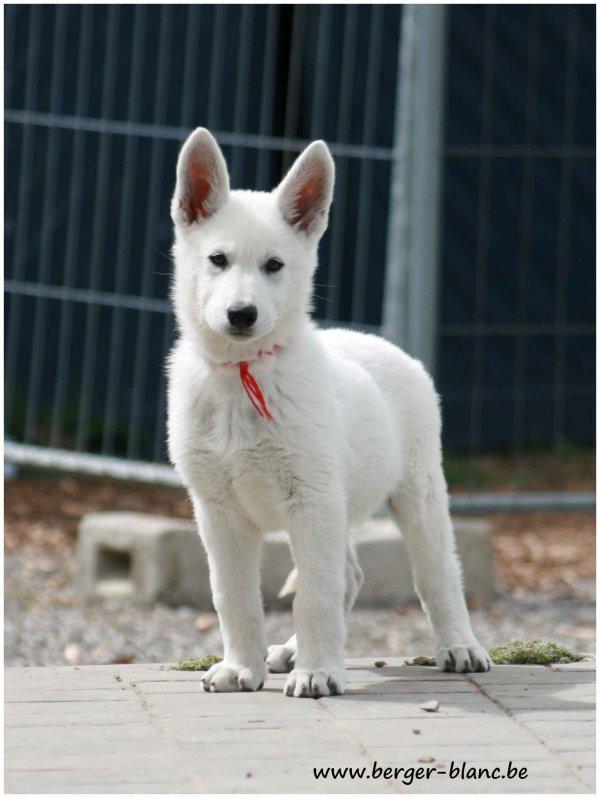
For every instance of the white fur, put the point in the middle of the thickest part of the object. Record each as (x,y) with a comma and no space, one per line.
(355,423)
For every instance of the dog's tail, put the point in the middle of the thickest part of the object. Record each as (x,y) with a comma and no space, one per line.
(290,586)
(354,579)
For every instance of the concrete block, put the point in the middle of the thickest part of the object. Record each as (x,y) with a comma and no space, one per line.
(150,558)
(129,555)
(384,559)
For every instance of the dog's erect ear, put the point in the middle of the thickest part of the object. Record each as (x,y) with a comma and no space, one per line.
(202,179)
(305,193)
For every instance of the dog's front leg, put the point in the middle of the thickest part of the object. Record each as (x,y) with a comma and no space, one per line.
(318,537)
(233,548)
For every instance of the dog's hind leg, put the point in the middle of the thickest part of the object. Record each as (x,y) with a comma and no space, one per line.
(281,658)
(420,508)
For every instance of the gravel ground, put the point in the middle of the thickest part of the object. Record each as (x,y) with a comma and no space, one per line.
(45,624)
(545,574)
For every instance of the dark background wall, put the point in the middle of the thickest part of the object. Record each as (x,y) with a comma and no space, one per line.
(516,302)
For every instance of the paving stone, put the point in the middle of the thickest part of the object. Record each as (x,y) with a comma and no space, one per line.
(79,740)
(365,670)
(571,667)
(581,759)
(552,786)
(156,731)
(555,700)
(531,716)
(48,781)
(271,765)
(530,674)
(93,788)
(86,758)
(589,774)
(295,784)
(13,695)
(204,725)
(60,678)
(275,775)
(180,686)
(394,705)
(75,713)
(529,752)
(576,692)
(439,731)
(550,729)
(410,688)
(261,741)
(567,745)
(224,704)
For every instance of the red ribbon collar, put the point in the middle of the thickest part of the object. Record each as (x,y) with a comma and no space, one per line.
(251,387)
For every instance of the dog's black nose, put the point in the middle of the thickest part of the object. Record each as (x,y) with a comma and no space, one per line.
(242,316)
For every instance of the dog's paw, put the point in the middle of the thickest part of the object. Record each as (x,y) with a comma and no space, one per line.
(303,683)
(224,678)
(463,659)
(281,659)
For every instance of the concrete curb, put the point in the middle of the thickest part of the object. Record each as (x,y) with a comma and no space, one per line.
(149,558)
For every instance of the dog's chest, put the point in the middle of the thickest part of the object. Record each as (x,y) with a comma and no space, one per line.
(263,485)
(249,471)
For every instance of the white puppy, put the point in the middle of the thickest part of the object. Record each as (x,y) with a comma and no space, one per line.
(274,424)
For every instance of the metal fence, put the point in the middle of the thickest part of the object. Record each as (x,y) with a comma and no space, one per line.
(98,99)
(517,327)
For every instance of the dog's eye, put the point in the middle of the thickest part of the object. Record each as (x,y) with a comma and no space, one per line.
(218,259)
(273,265)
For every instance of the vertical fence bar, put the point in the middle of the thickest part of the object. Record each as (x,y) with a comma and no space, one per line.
(142,344)
(294,79)
(242,90)
(10,18)
(124,235)
(563,247)
(527,191)
(267,94)
(399,222)
(73,227)
(47,237)
(186,121)
(410,306)
(23,209)
(189,67)
(101,198)
(483,232)
(319,100)
(216,67)
(365,182)
(344,118)
(319,97)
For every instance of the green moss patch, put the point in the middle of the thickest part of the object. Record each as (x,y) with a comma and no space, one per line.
(517,652)
(196,664)
(536,652)
(429,662)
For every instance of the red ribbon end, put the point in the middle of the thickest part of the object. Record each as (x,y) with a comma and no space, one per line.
(254,392)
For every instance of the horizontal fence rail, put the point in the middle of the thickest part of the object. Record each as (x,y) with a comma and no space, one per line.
(167,133)
(156,474)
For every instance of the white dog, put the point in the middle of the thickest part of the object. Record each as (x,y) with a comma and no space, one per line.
(274,424)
